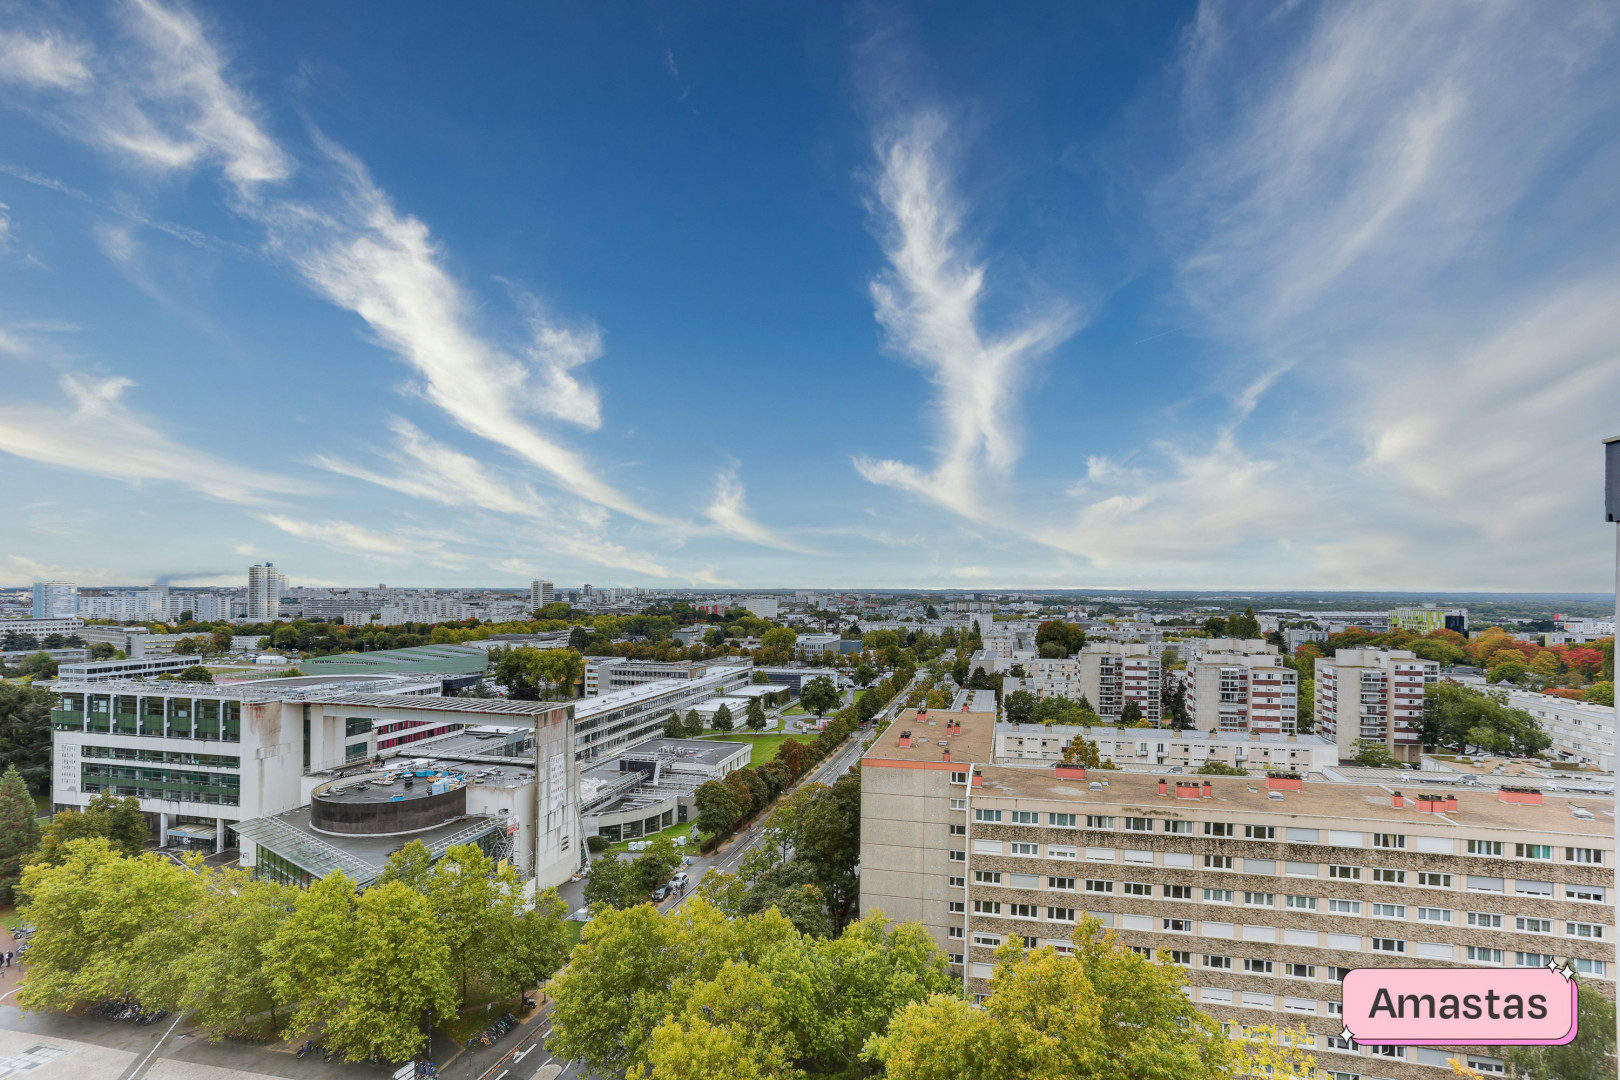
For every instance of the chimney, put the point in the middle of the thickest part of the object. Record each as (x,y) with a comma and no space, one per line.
(1524,796)
(1209,790)
(1164,788)
(945,754)
(1396,801)
(905,738)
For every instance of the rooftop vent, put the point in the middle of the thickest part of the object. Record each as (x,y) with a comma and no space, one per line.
(1275,796)
(1095,786)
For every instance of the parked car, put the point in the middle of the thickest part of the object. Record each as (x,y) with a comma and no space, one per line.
(680,880)
(661,894)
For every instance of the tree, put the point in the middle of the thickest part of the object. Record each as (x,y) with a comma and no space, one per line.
(308,958)
(1244,626)
(227,975)
(1373,754)
(1214,626)
(1589,1057)
(1019,707)
(528,673)
(722,718)
(674,727)
(863,674)
(717,808)
(657,862)
(819,695)
(411,864)
(117,820)
(1305,705)
(1130,715)
(25,733)
(103,650)
(1082,753)
(106,925)
(694,724)
(755,715)
(1216,767)
(1600,692)
(19,831)
(470,898)
(399,972)
(611,883)
(39,666)
(196,673)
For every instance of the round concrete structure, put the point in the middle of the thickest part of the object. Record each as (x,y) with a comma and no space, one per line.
(345,807)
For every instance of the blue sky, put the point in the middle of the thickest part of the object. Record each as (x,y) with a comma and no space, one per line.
(1288,296)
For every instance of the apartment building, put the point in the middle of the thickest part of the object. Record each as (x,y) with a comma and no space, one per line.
(203,758)
(1114,672)
(1167,749)
(1045,678)
(265,586)
(1265,890)
(1582,732)
(541,593)
(55,600)
(1373,694)
(1250,691)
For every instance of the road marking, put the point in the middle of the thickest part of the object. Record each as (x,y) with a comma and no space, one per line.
(142,1066)
(13,990)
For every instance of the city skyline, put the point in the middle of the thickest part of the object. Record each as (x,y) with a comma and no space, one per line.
(1190,298)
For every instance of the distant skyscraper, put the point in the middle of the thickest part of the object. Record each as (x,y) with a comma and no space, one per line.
(264,592)
(55,599)
(541,593)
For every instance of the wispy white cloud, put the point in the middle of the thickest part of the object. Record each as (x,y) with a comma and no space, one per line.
(99,434)
(49,60)
(928,302)
(729,512)
(399,545)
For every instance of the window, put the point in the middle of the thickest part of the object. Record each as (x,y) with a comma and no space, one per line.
(953,931)
(987,815)
(1060,914)
(955,958)
(958,830)
(1533,926)
(987,877)
(1488,919)
(1583,929)
(1178,892)
(1099,885)
(1224,963)
(1583,892)
(987,907)
(1485,847)
(356,725)
(958,778)
(1384,944)
(955,907)
(1023,911)
(956,882)
(1180,828)
(1025,817)
(1335,1008)
(1178,926)
(1337,974)
(1219,828)
(1389,1051)
(1060,821)
(1389,911)
(1032,943)
(1141,950)
(1346,873)
(1218,896)
(1345,907)
(1180,956)
(1137,888)
(1300,971)
(958,856)
(1390,877)
(1339,1042)
(1434,881)
(1393,841)
(988,940)
(1217,862)
(1484,956)
(1259,967)
(1061,851)
(1138,824)
(1584,855)
(1260,899)
(1532,851)
(1025,849)
(1589,967)
(1062,884)
(1302,903)
(1260,832)
(1434,914)
(1094,821)
(958,804)
(1532,959)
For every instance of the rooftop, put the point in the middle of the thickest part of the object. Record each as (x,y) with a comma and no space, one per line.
(924,732)
(440,659)
(703,751)
(360,857)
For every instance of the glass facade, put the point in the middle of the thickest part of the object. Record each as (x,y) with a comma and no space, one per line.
(152,716)
(172,785)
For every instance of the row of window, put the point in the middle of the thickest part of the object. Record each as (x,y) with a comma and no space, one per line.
(1229,830)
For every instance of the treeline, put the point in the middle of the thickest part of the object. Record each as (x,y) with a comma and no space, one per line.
(364,973)
(693,995)
(725,804)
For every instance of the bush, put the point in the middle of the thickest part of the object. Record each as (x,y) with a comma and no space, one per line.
(596,844)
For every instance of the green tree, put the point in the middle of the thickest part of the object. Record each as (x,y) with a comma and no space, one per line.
(1589,1057)
(1216,767)
(105,925)
(755,715)
(612,883)
(471,898)
(1130,715)
(1019,707)
(863,674)
(819,695)
(674,727)
(196,673)
(117,820)
(1244,626)
(103,650)
(19,831)
(722,719)
(1214,626)
(399,972)
(1081,752)
(309,956)
(1600,692)
(25,733)
(1305,708)
(694,724)
(528,673)
(533,942)
(718,810)
(411,864)
(731,1028)
(40,666)
(227,975)
(1372,754)
(655,865)
(781,638)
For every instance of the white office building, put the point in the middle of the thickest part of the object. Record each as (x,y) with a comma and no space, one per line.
(265,586)
(541,593)
(55,599)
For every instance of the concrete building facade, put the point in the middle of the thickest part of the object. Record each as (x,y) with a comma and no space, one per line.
(265,586)
(55,599)
(1242,692)
(1373,694)
(1582,732)
(1114,672)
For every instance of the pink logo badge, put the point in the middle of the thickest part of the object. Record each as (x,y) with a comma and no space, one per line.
(1460,1006)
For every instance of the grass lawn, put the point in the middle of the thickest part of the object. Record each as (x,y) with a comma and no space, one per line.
(764,745)
(794,710)
(680,828)
(857,696)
